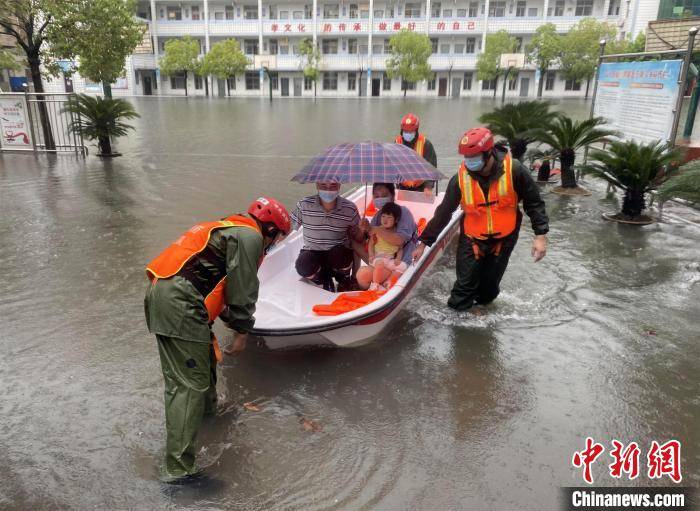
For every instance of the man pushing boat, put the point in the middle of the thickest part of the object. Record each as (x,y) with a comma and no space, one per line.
(489,186)
(211,266)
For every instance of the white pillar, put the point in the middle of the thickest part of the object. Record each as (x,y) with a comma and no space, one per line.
(260,45)
(207,43)
(486,26)
(154,34)
(369,48)
(544,13)
(313,15)
(427,17)
(606,7)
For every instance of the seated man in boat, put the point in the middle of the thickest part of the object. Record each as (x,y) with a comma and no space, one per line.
(404,235)
(330,222)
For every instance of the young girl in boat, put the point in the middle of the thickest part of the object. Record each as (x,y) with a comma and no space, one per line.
(385,257)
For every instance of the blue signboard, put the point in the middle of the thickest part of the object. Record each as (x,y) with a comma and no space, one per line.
(638,98)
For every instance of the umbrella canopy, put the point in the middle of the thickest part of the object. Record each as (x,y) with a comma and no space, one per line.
(367,162)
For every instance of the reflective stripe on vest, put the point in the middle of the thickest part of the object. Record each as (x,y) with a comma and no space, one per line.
(495,218)
(420,149)
(187,246)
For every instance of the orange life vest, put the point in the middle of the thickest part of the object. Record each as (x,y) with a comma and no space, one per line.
(495,218)
(193,242)
(420,149)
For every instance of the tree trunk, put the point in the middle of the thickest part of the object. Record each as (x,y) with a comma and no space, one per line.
(495,88)
(107,90)
(35,67)
(206,85)
(588,86)
(540,86)
(518,148)
(314,88)
(185,83)
(568,175)
(633,203)
(228,86)
(105,145)
(544,172)
(404,84)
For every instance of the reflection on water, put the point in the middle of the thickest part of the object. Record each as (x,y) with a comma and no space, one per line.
(447,411)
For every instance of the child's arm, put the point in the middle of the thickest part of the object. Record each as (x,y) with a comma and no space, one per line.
(370,248)
(399,256)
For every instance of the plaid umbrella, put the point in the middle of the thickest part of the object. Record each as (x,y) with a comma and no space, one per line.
(367,162)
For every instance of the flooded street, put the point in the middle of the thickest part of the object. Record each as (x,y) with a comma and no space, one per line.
(446,411)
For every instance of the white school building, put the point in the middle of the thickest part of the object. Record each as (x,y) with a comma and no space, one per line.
(353,38)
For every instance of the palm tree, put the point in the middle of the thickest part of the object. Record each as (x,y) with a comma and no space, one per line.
(515,121)
(100,119)
(635,168)
(684,185)
(565,136)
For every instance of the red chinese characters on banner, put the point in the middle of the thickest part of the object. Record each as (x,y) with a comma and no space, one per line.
(356,27)
(471,25)
(455,25)
(411,26)
(275,27)
(327,27)
(397,25)
(665,460)
(441,25)
(626,460)
(587,457)
(382,26)
(301,27)
(341,27)
(288,28)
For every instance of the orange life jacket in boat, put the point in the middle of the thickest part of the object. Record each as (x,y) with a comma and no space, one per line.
(172,260)
(495,218)
(420,149)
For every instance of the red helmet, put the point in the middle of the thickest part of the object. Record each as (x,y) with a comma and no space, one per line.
(267,209)
(476,141)
(409,123)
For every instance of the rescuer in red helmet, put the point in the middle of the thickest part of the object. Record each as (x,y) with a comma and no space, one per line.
(489,185)
(210,267)
(411,137)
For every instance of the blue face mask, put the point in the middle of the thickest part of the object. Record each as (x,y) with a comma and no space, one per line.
(328,196)
(408,136)
(474,164)
(379,202)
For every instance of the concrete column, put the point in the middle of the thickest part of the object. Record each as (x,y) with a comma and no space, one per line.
(260,45)
(427,17)
(546,6)
(154,34)
(606,7)
(314,17)
(486,25)
(207,42)
(369,48)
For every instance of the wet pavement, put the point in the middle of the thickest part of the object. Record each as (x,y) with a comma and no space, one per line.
(446,411)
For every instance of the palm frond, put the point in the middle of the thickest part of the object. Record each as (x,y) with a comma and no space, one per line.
(516,120)
(684,185)
(95,117)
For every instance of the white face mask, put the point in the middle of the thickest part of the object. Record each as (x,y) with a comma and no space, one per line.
(328,196)
(379,202)
(409,136)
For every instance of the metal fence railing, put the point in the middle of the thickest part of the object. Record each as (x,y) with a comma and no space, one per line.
(38,122)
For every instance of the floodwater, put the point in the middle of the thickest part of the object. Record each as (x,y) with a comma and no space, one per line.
(446,411)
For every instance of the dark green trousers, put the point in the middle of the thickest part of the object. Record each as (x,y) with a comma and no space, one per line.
(189,373)
(478,280)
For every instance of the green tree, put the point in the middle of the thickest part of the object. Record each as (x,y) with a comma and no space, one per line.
(634,168)
(410,52)
(181,56)
(310,61)
(224,60)
(684,185)
(99,35)
(627,45)
(488,65)
(565,136)
(544,50)
(515,121)
(100,119)
(9,60)
(29,22)
(581,49)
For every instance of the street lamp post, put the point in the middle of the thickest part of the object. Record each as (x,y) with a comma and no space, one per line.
(269,79)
